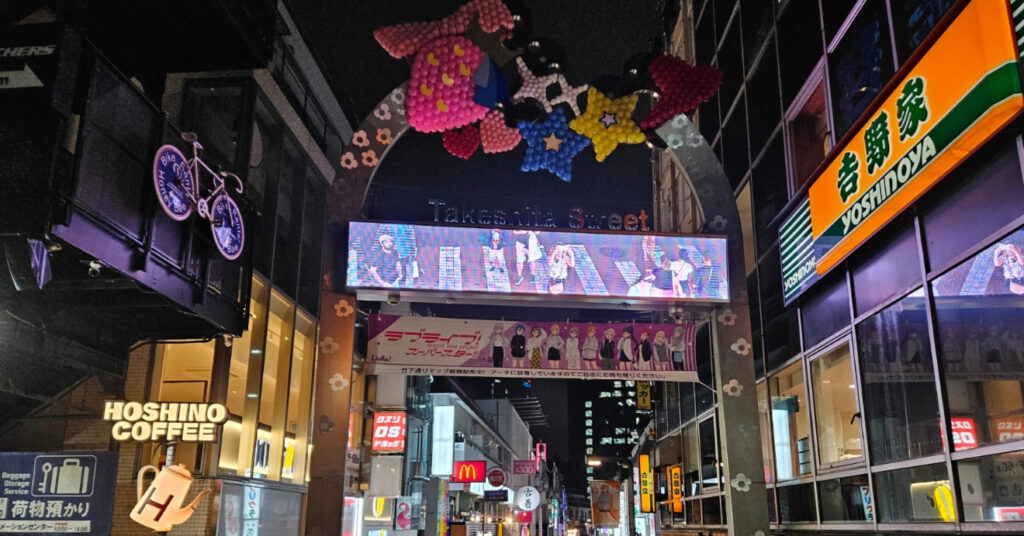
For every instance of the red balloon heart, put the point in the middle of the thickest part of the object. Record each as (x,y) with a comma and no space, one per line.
(495,135)
(682,87)
(463,142)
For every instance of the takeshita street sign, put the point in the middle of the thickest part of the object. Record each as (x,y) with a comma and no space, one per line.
(959,94)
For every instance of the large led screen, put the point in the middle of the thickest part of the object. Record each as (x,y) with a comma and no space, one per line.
(538,263)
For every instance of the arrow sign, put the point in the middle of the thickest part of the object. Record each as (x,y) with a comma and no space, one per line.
(19,79)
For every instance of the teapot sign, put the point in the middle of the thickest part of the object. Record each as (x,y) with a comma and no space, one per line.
(160,508)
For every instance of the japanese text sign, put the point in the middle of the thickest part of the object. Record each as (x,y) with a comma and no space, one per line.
(524,467)
(942,108)
(389,431)
(646,484)
(465,472)
(675,488)
(965,434)
(57,492)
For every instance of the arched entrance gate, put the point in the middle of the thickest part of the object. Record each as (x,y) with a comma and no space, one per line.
(746,498)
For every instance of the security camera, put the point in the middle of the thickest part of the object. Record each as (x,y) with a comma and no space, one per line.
(393,299)
(676,312)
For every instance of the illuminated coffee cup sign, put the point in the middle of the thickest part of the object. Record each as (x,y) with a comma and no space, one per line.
(188,422)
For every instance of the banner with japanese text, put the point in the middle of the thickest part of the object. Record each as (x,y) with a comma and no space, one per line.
(604,503)
(434,346)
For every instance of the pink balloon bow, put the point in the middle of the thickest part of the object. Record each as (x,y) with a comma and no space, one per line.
(441,84)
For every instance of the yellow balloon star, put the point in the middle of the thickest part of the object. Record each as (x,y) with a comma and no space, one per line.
(608,122)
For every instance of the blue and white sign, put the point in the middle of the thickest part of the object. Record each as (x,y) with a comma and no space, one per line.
(227,227)
(175,186)
(56,493)
(496,495)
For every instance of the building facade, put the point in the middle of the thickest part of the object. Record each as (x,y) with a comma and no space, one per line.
(890,389)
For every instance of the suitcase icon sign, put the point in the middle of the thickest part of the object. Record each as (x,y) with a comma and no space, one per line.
(64,476)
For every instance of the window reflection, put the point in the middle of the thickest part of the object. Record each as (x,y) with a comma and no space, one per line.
(992,488)
(979,310)
(835,406)
(790,429)
(915,494)
(896,364)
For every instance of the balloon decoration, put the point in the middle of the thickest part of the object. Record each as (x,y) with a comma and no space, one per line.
(608,122)
(462,143)
(495,135)
(570,95)
(551,145)
(456,80)
(682,88)
(534,87)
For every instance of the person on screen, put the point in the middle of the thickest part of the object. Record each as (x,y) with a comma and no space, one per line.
(648,253)
(590,346)
(411,267)
(644,285)
(572,349)
(494,252)
(383,262)
(704,279)
(528,252)
(664,279)
(534,346)
(518,346)
(682,270)
(626,344)
(608,350)
(560,260)
(555,346)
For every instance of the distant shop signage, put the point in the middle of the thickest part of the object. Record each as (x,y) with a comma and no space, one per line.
(464,472)
(28,57)
(496,477)
(604,503)
(643,396)
(942,109)
(57,492)
(524,467)
(378,509)
(524,517)
(422,346)
(512,263)
(496,495)
(189,422)
(443,441)
(646,484)
(675,488)
(965,433)
(389,431)
(527,498)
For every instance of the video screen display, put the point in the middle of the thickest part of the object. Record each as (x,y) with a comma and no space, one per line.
(533,262)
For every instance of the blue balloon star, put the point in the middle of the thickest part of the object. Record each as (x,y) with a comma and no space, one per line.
(551,145)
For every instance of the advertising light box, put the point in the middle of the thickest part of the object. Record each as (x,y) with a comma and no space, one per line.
(585,266)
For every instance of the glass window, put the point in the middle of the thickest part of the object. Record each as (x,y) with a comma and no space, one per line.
(980,197)
(292,187)
(691,461)
(913,20)
(860,65)
(712,511)
(781,327)
(835,407)
(809,140)
(846,499)
(708,455)
(686,401)
(979,309)
(705,370)
(184,375)
(243,386)
(757,23)
(991,487)
(799,34)
(261,182)
(708,120)
(796,503)
(884,272)
(763,101)
(730,61)
(296,441)
(704,33)
(790,429)
(895,359)
(770,192)
(310,264)
(764,416)
(747,224)
(834,13)
(269,450)
(826,312)
(671,390)
(734,144)
(915,494)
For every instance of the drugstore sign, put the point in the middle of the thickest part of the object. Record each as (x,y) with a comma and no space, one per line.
(389,431)
(961,92)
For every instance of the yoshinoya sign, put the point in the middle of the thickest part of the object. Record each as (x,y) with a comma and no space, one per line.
(189,422)
(646,484)
(57,492)
(942,108)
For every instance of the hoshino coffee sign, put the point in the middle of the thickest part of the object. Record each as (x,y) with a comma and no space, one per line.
(937,112)
(189,422)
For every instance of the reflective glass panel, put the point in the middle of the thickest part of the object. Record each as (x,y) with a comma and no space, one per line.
(790,429)
(835,406)
(915,494)
(992,488)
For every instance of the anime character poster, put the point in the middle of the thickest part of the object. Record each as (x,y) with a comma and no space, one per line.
(419,345)
(641,267)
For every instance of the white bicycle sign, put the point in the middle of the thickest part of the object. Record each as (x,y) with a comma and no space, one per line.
(175,178)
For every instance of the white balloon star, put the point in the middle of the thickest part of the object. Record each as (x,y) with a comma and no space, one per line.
(569,94)
(534,87)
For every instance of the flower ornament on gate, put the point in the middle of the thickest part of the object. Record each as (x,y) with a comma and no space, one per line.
(359,139)
(741,483)
(348,161)
(727,317)
(718,223)
(741,346)
(338,382)
(343,309)
(384,136)
(383,112)
(328,346)
(734,388)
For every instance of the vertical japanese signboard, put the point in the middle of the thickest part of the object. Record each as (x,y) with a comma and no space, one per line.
(942,108)
(675,488)
(57,492)
(389,431)
(646,484)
